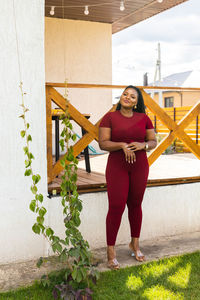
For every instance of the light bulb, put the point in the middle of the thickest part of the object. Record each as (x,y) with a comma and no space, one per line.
(86,11)
(52,11)
(122,8)
(159,1)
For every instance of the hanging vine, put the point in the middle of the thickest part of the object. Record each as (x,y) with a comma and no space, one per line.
(73,249)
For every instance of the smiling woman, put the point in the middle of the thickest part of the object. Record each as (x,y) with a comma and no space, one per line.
(126,134)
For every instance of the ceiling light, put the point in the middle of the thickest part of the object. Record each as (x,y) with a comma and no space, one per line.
(52,11)
(86,11)
(159,1)
(122,7)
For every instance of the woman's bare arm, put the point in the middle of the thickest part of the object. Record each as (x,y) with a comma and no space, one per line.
(105,143)
(150,139)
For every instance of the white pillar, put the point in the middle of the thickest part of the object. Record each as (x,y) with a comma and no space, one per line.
(17,240)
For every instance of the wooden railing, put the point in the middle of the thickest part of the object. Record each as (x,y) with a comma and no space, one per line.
(177,113)
(175,130)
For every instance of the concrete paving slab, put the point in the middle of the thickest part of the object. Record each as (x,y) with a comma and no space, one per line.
(21,274)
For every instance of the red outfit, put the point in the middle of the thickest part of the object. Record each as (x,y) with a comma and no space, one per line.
(126,182)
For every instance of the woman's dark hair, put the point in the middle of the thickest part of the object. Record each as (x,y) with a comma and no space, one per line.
(140,104)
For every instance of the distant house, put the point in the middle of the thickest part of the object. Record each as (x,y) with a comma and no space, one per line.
(173,98)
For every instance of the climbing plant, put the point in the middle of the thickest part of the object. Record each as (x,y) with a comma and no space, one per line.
(72,249)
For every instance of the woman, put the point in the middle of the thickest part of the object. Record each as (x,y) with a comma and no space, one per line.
(126,133)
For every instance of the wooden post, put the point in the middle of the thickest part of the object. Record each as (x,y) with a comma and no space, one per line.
(49,135)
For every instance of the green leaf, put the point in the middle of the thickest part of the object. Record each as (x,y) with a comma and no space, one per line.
(29,138)
(39,262)
(84,272)
(27,163)
(42,211)
(36,228)
(40,220)
(36,178)
(74,273)
(57,246)
(28,172)
(27,126)
(70,157)
(25,150)
(62,162)
(23,133)
(39,197)
(62,144)
(32,205)
(49,231)
(74,137)
(63,256)
(66,240)
(70,126)
(34,189)
(79,276)
(30,156)
(42,227)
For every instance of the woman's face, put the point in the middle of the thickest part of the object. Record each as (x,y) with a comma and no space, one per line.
(129,98)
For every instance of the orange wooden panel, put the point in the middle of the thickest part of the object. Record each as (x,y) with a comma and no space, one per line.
(49,135)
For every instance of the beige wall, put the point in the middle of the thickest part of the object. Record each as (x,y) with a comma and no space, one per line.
(188,98)
(82,50)
(88,59)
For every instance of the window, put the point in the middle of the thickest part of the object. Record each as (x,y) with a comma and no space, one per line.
(169,101)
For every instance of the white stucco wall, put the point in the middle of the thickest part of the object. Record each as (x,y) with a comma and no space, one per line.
(167,211)
(16,238)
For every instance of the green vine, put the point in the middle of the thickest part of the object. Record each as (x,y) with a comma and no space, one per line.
(73,249)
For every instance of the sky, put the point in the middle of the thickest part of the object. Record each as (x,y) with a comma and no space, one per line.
(135,48)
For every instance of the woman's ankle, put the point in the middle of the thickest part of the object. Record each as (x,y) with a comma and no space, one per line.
(110,252)
(134,243)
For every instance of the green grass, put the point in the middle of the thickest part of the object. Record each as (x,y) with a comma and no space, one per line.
(176,278)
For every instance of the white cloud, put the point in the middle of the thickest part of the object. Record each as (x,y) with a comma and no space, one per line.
(134,49)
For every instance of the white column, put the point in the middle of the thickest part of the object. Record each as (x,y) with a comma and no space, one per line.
(17,240)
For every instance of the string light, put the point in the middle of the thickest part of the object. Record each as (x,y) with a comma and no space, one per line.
(52,11)
(122,7)
(86,11)
(86,7)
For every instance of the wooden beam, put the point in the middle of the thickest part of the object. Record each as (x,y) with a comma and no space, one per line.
(77,148)
(110,86)
(59,100)
(49,135)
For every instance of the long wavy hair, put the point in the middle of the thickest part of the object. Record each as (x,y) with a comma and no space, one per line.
(140,104)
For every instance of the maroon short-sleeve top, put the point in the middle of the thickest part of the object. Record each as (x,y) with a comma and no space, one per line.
(127,129)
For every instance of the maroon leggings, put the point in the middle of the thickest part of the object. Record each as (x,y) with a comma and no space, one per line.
(126,184)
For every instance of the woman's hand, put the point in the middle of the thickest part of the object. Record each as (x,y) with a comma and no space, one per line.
(129,154)
(135,146)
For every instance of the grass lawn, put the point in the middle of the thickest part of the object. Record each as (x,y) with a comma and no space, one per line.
(176,278)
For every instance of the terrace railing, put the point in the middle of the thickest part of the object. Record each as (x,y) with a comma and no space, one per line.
(175,129)
(177,113)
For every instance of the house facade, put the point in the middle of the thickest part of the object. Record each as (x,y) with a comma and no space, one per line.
(178,98)
(36,49)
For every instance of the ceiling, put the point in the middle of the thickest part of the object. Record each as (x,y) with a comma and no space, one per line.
(108,11)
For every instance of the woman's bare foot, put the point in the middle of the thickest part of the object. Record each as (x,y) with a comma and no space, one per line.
(112,261)
(134,246)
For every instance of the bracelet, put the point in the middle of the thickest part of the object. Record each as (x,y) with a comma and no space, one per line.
(146,147)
